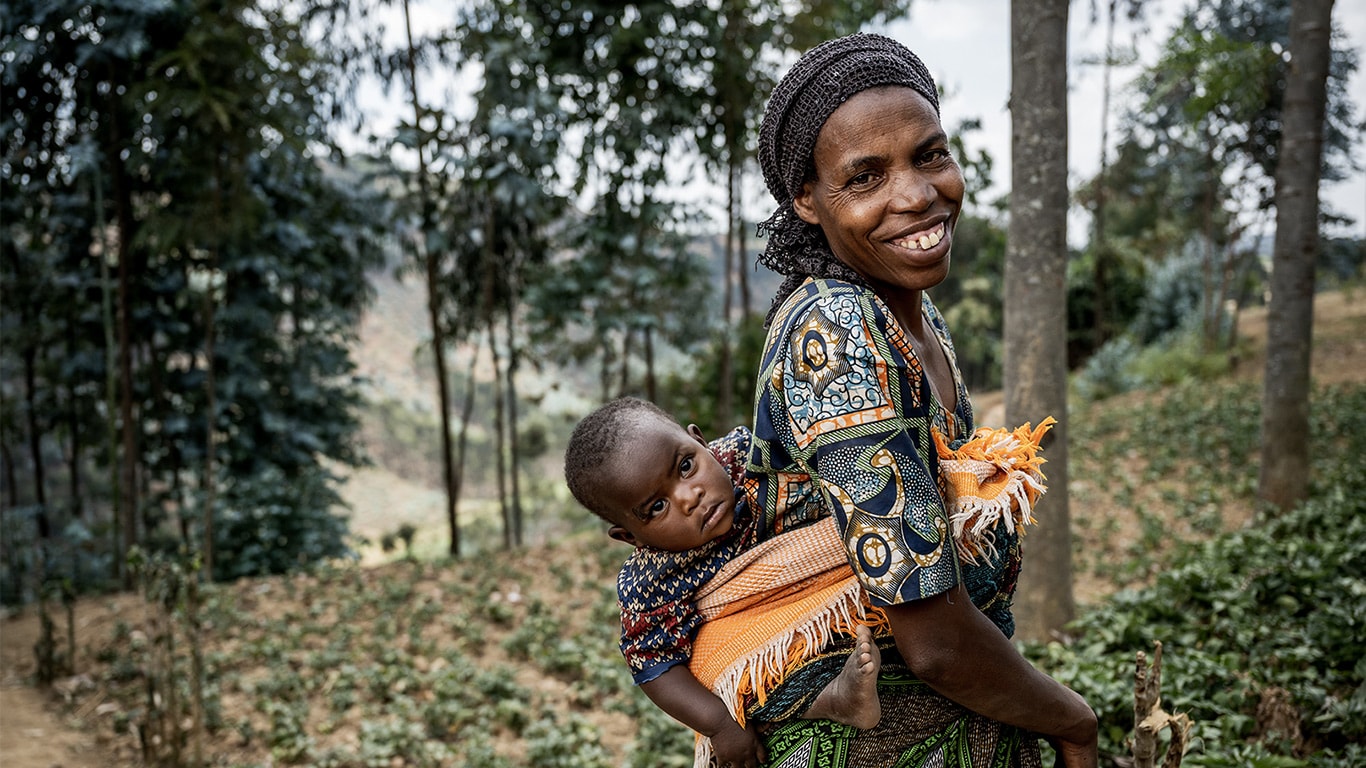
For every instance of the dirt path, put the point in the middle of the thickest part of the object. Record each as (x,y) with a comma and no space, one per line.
(31,736)
(33,731)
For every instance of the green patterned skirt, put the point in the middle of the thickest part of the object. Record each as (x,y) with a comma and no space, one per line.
(919,728)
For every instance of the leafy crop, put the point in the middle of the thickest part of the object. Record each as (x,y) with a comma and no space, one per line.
(1263,629)
(511,659)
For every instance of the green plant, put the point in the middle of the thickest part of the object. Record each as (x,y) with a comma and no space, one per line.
(571,743)
(1276,606)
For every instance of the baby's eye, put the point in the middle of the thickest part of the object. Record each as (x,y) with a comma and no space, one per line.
(655,509)
(685,466)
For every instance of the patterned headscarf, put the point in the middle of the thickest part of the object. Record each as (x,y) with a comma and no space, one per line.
(821,80)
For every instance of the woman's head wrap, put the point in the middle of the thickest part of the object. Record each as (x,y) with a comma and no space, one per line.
(821,80)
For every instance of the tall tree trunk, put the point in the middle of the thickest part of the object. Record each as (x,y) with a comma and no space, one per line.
(10,475)
(35,440)
(514,452)
(1209,324)
(1035,294)
(430,258)
(111,376)
(209,479)
(77,445)
(628,338)
(462,438)
(500,435)
(725,397)
(651,386)
(736,171)
(1101,321)
(128,485)
(1284,479)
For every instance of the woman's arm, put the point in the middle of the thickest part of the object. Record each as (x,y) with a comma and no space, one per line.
(686,700)
(957,651)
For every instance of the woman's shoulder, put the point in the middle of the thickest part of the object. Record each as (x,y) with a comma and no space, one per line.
(832,297)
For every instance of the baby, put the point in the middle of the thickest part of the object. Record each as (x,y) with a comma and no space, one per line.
(676,498)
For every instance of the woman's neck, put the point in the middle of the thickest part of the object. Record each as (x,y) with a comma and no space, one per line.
(906,307)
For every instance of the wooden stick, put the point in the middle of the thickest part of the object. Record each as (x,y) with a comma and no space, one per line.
(1150,719)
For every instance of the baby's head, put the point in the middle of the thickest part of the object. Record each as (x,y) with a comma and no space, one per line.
(654,482)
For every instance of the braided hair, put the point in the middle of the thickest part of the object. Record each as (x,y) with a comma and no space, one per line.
(822,79)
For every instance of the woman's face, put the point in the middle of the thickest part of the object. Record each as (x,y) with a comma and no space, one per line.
(887,193)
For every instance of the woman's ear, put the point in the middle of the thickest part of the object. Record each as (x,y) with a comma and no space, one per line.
(621,534)
(802,205)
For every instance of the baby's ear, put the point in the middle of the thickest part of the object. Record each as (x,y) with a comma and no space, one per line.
(621,534)
(696,433)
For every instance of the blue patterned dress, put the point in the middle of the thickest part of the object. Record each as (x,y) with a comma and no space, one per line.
(842,424)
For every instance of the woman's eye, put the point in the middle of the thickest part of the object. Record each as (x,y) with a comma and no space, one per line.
(863,179)
(935,157)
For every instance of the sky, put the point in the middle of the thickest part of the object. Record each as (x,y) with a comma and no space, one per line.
(966,45)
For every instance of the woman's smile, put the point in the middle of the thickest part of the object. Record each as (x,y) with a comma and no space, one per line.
(922,240)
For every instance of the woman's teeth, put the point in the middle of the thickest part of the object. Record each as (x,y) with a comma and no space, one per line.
(924,242)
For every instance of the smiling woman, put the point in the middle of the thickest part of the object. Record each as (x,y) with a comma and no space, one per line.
(858,380)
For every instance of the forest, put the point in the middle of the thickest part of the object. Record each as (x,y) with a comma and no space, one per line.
(201,207)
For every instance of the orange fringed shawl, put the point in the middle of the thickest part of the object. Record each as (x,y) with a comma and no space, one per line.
(776,604)
(994,478)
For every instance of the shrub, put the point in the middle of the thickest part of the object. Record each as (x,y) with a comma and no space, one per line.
(1277,609)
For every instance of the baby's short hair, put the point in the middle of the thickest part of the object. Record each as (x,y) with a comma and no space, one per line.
(596,440)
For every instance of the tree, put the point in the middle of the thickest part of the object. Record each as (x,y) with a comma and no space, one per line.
(171,208)
(1195,165)
(1284,476)
(1035,290)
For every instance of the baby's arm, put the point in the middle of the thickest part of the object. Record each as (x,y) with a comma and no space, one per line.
(686,700)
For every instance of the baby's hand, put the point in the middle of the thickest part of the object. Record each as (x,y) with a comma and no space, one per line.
(736,747)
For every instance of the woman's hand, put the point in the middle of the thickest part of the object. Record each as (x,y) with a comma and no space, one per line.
(957,651)
(736,747)
(1076,755)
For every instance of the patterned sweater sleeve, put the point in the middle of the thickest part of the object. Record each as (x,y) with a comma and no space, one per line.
(844,400)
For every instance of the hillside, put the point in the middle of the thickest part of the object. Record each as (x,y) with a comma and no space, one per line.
(514,655)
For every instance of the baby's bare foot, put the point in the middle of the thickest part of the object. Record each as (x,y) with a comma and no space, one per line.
(851,698)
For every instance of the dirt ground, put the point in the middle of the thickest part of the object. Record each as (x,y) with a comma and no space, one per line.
(35,733)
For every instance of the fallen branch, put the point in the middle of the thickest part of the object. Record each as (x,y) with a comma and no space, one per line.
(1150,719)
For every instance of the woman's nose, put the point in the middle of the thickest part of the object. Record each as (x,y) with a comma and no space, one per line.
(911,190)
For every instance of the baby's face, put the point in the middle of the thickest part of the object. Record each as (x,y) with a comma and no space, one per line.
(667,490)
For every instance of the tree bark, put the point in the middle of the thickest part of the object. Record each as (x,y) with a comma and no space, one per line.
(514,449)
(499,435)
(1284,479)
(1100,247)
(725,398)
(462,440)
(431,269)
(1035,295)
(128,486)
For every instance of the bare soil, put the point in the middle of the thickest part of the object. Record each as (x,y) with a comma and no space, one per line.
(55,727)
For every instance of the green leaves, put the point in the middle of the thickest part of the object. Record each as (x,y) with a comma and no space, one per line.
(1276,605)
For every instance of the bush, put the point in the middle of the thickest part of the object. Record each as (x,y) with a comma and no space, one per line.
(1274,611)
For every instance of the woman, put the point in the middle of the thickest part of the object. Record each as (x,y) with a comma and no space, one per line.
(858,368)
